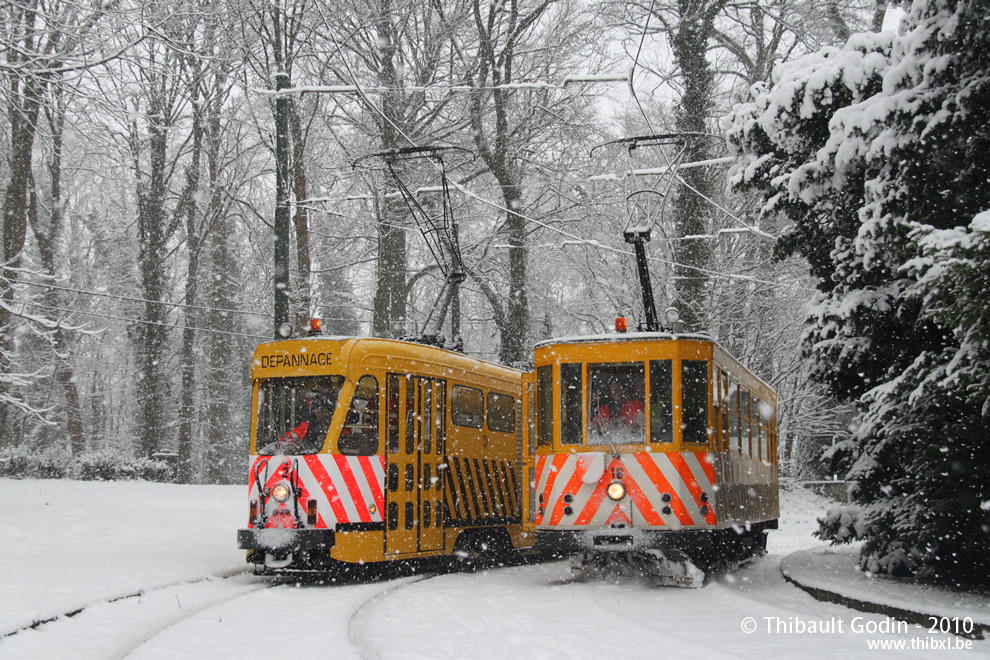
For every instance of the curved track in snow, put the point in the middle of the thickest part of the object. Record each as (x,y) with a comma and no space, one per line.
(521,611)
(114,627)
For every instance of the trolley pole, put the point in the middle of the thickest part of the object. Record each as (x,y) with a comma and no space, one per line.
(281,203)
(638,239)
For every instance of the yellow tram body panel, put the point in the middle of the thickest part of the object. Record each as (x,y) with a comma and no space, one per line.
(423,444)
(645,432)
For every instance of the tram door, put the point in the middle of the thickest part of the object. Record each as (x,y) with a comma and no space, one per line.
(416,434)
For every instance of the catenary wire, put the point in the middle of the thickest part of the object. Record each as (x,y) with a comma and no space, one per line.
(141,300)
(141,321)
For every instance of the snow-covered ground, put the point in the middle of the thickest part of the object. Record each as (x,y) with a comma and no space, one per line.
(136,559)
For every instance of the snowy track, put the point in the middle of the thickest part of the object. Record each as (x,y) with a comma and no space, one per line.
(361,628)
(524,611)
(159,622)
(82,607)
(114,628)
(159,540)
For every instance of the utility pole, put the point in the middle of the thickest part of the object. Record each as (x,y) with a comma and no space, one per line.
(281,205)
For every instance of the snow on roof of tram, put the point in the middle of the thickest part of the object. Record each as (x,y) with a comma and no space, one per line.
(625,336)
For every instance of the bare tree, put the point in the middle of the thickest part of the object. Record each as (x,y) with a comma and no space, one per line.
(153,165)
(41,40)
(283,31)
(399,49)
(520,51)
(46,238)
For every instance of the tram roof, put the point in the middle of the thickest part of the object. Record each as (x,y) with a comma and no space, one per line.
(613,337)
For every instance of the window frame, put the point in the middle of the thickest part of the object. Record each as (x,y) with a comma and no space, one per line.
(544,406)
(702,389)
(489,418)
(623,371)
(570,423)
(361,415)
(455,409)
(661,369)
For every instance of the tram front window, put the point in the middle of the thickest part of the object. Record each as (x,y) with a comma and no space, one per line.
(294,414)
(616,404)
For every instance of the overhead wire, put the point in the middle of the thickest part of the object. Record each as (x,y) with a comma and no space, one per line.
(141,300)
(139,321)
(632,70)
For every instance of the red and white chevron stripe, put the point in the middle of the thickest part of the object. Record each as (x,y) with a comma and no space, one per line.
(347,489)
(673,490)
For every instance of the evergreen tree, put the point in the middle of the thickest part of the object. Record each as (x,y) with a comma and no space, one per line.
(879,153)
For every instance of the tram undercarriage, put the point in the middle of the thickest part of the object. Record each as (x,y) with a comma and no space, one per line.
(660,568)
(668,559)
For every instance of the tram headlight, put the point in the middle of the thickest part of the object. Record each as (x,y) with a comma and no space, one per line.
(281,491)
(616,490)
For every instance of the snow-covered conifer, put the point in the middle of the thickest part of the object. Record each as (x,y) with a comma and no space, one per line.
(879,154)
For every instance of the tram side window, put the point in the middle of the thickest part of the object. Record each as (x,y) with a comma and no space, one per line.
(501,413)
(744,420)
(393,414)
(757,429)
(694,398)
(766,418)
(661,401)
(734,417)
(571,388)
(467,406)
(544,406)
(528,417)
(724,396)
(359,436)
(294,414)
(615,406)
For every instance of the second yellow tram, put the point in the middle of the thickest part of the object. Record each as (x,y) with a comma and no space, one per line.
(652,449)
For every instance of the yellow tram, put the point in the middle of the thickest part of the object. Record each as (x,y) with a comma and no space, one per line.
(372,450)
(653,450)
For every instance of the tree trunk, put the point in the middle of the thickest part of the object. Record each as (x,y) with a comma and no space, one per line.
(24,101)
(187,402)
(514,344)
(303,290)
(691,211)
(152,335)
(514,332)
(390,294)
(64,373)
(220,435)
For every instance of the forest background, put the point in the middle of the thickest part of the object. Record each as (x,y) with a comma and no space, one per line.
(139,173)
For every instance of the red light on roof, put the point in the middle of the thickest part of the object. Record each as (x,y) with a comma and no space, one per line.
(314,327)
(620,324)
